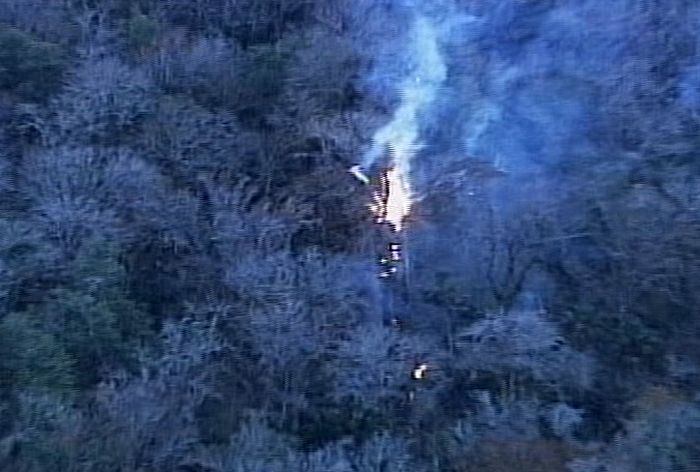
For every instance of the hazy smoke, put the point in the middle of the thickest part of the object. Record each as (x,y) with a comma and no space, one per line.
(531,87)
(418,89)
(535,88)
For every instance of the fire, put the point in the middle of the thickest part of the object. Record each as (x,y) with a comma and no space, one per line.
(392,201)
(420,371)
(398,204)
(378,208)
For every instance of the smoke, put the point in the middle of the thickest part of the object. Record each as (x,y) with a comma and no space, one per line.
(411,67)
(534,88)
(418,90)
(522,84)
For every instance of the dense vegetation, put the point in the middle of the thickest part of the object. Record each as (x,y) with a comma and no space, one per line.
(186,279)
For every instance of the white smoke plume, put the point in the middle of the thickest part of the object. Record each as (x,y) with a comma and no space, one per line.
(418,90)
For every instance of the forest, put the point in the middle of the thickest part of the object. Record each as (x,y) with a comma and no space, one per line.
(193,280)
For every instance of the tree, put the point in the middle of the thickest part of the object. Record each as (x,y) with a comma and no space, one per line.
(148,420)
(28,262)
(288,344)
(528,456)
(88,193)
(142,33)
(373,366)
(29,68)
(92,316)
(6,181)
(526,343)
(47,432)
(495,435)
(321,75)
(134,422)
(104,102)
(206,70)
(48,20)
(189,142)
(383,452)
(662,439)
(255,447)
(33,359)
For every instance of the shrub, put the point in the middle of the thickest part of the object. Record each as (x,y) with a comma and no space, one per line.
(105,101)
(29,68)
(142,33)
(32,359)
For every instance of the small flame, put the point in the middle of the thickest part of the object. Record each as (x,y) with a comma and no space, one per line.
(357,171)
(420,371)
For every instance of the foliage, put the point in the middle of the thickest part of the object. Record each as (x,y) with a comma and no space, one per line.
(187,273)
(83,194)
(188,141)
(219,74)
(32,358)
(46,19)
(142,33)
(29,68)
(524,342)
(104,101)
(664,439)
(93,318)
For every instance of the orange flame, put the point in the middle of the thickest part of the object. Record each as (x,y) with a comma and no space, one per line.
(392,202)
(398,204)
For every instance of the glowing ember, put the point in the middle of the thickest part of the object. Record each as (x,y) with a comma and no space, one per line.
(420,371)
